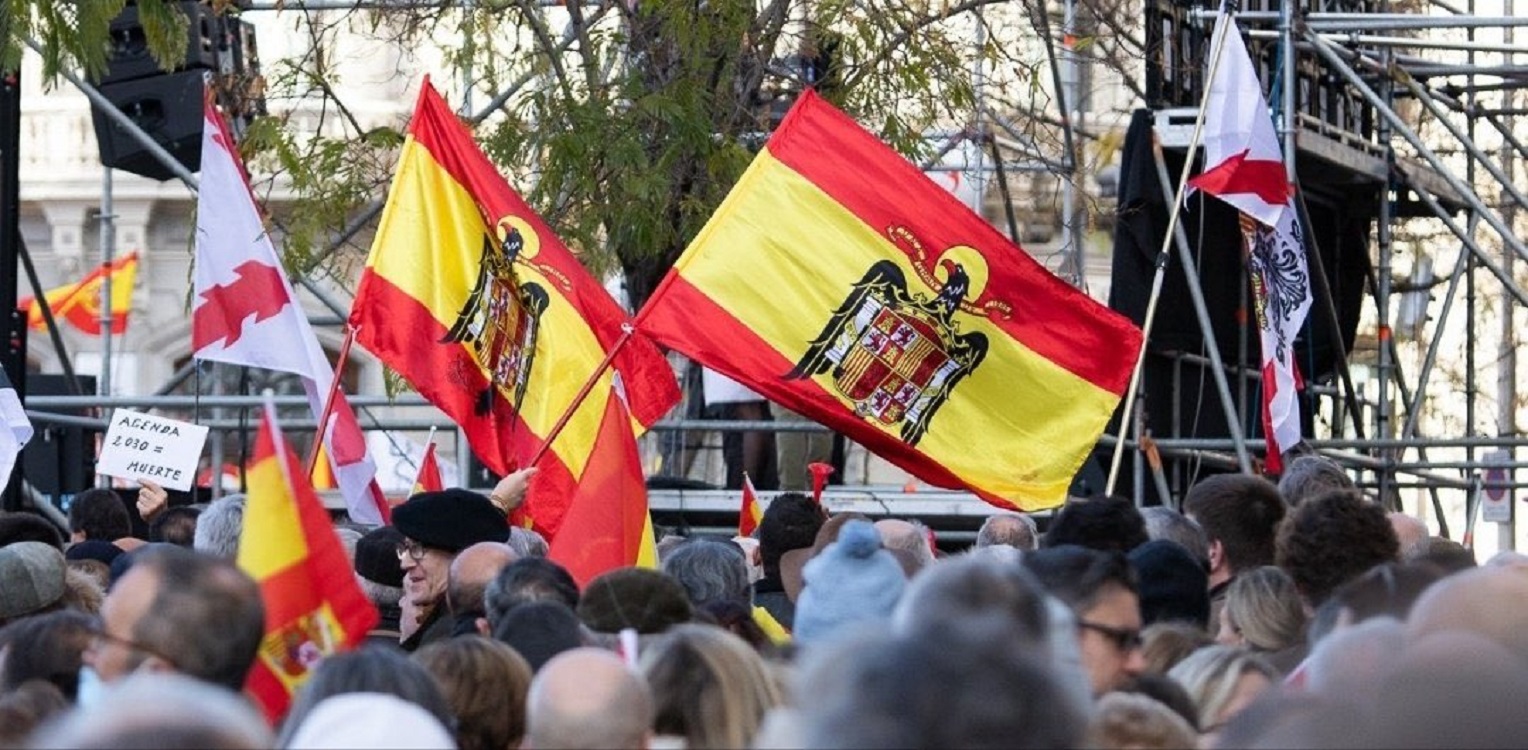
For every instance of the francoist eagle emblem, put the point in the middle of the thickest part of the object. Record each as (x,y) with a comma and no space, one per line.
(897,355)
(501,318)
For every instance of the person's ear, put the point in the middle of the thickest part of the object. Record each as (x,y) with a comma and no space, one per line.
(482,627)
(1217,555)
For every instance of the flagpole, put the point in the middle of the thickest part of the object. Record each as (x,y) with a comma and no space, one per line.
(627,329)
(334,387)
(1162,255)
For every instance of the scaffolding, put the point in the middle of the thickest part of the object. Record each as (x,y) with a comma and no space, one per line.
(1434,98)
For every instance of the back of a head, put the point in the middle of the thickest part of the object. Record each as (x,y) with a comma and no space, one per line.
(853,581)
(368,670)
(98,513)
(587,698)
(1385,590)
(1266,609)
(528,579)
(1171,583)
(1332,539)
(1165,644)
(1211,676)
(21,526)
(485,683)
(1241,512)
(790,522)
(470,573)
(161,710)
(46,647)
(526,542)
(1004,528)
(540,631)
(176,526)
(639,598)
(1309,476)
(1079,575)
(219,526)
(1444,554)
(1452,690)
(909,537)
(206,612)
(1489,602)
(966,686)
(1163,522)
(1353,660)
(1126,720)
(968,587)
(369,720)
(710,570)
(1103,522)
(708,686)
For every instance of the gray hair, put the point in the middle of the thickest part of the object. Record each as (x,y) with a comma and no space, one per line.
(1165,523)
(526,543)
(1353,660)
(1015,530)
(148,709)
(969,587)
(912,540)
(1309,476)
(381,595)
(219,526)
(710,570)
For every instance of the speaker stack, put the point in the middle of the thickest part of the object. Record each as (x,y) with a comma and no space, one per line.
(167,105)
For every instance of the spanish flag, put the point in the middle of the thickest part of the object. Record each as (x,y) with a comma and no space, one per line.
(840,282)
(80,303)
(428,479)
(749,515)
(470,297)
(313,605)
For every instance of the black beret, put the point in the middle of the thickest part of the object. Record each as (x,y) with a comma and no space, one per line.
(376,556)
(452,520)
(99,550)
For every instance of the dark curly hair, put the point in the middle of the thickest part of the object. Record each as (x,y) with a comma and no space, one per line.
(1240,511)
(1102,522)
(790,522)
(1332,539)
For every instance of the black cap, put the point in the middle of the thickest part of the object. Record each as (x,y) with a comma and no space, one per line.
(376,556)
(452,520)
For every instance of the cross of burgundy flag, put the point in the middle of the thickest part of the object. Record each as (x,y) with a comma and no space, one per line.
(1244,167)
(246,313)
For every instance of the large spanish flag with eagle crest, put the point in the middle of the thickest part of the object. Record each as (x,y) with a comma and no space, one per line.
(839,281)
(470,297)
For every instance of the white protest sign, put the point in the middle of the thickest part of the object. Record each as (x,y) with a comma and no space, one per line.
(143,446)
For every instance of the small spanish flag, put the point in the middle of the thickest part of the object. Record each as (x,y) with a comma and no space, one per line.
(749,516)
(313,605)
(79,303)
(428,479)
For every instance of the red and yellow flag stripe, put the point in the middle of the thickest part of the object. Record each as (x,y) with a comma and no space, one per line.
(823,203)
(79,303)
(313,605)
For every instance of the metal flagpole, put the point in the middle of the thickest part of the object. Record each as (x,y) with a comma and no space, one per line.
(1162,255)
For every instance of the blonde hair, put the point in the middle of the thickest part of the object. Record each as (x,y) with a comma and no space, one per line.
(1265,608)
(1126,721)
(708,686)
(1210,676)
(1164,644)
(484,683)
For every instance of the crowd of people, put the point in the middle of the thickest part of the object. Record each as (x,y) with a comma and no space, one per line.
(1301,614)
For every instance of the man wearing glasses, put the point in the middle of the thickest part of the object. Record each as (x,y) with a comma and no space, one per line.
(176,611)
(436,527)
(1100,589)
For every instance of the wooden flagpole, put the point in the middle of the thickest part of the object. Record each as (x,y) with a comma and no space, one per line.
(334,387)
(627,329)
(1162,255)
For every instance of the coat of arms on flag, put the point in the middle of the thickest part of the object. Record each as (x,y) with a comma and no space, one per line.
(501,319)
(895,353)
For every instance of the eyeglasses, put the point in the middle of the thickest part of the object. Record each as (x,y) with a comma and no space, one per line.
(411,549)
(99,634)
(1125,639)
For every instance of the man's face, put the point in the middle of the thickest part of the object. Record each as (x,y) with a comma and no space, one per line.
(114,653)
(1109,636)
(425,571)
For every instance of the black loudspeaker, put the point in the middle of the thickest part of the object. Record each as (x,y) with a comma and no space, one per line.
(130,58)
(60,460)
(168,108)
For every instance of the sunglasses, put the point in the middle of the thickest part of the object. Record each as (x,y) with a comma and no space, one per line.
(1125,639)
